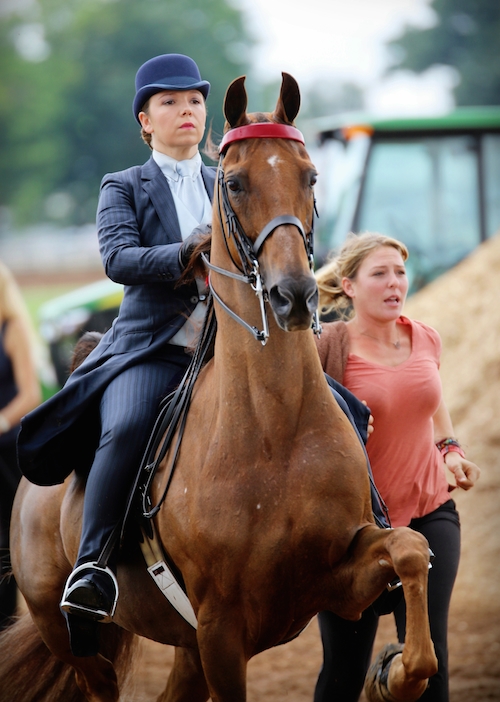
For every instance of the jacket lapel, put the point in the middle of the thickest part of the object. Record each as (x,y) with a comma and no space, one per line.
(208,175)
(156,186)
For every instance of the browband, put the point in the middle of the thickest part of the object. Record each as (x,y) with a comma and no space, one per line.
(262,130)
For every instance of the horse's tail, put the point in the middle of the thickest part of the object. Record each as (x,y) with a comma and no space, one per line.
(29,672)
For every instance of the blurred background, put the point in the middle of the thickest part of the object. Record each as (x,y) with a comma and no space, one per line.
(401,113)
(400,109)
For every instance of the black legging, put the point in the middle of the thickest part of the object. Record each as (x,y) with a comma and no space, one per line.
(10,476)
(347,646)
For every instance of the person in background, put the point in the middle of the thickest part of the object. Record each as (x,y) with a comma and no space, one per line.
(19,393)
(150,219)
(392,363)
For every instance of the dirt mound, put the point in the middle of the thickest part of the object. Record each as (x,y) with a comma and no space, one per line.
(464,306)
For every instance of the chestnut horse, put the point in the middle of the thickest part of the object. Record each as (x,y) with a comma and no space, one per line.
(268,516)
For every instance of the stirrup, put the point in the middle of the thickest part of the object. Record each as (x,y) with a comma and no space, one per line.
(78,609)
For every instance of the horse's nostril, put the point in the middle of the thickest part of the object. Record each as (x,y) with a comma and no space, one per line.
(281,300)
(294,301)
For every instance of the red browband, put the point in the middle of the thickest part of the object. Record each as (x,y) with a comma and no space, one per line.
(262,130)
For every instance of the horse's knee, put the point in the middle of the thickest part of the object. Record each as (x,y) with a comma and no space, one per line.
(409,552)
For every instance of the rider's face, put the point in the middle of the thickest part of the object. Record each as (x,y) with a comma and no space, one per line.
(176,122)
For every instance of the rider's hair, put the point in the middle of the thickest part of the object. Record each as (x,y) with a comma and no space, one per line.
(345,263)
(145,136)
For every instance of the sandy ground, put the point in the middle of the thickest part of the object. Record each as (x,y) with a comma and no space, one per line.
(464,306)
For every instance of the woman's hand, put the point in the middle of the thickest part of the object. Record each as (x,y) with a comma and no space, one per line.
(465,472)
(369,429)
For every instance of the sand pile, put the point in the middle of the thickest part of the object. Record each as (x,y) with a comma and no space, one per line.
(464,306)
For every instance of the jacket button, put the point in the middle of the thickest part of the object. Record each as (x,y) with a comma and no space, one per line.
(194,299)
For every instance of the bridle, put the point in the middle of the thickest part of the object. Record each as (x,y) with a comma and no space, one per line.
(248,251)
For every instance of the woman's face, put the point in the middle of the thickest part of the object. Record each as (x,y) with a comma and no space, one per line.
(380,286)
(176,121)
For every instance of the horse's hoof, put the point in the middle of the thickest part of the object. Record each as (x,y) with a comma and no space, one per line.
(376,689)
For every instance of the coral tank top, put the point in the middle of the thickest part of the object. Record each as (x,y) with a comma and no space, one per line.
(407,467)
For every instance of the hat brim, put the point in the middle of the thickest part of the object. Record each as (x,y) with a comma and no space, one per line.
(148,91)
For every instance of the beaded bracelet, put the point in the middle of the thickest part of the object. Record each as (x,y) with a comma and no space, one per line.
(446,445)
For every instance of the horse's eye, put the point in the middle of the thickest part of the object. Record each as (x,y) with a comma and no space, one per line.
(313,180)
(233,185)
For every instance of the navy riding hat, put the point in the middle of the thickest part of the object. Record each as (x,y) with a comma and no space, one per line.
(167,72)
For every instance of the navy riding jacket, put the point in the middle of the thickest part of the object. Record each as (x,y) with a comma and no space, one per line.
(139,240)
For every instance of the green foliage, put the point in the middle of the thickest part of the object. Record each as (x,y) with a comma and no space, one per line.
(466,37)
(68,69)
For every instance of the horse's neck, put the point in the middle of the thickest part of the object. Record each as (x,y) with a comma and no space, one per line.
(286,369)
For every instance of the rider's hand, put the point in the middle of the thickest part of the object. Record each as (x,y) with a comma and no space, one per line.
(199,235)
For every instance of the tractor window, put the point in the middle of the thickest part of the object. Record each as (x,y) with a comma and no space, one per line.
(491,161)
(424,191)
(340,167)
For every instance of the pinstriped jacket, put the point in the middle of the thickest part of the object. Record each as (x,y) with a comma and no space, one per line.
(139,240)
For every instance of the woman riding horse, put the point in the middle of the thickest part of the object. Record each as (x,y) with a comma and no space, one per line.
(148,218)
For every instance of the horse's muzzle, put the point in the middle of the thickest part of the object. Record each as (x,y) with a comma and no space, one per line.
(294,301)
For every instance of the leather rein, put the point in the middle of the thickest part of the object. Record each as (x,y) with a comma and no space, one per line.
(248,251)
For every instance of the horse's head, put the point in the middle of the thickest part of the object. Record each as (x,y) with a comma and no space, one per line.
(266,201)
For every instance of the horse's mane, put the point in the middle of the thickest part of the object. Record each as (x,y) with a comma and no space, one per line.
(195,268)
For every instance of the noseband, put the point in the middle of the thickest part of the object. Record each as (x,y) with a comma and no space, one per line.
(248,251)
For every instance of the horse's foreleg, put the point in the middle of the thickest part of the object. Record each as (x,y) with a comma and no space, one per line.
(409,671)
(186,682)
(378,556)
(222,656)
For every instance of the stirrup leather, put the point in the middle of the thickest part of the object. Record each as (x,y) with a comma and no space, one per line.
(162,575)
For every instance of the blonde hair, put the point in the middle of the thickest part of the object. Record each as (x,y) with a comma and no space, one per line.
(12,306)
(345,264)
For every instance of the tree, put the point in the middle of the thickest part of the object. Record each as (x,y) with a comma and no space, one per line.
(67,87)
(467,37)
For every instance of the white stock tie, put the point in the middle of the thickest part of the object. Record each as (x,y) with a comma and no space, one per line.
(188,190)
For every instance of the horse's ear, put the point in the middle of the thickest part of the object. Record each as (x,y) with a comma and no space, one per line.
(288,105)
(235,104)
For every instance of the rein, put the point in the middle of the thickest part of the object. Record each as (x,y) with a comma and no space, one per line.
(249,251)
